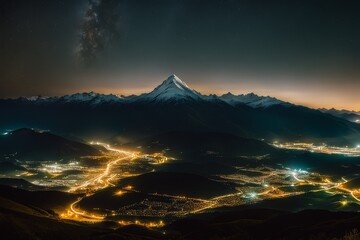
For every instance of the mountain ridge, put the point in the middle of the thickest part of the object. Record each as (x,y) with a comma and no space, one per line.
(174,106)
(171,89)
(39,145)
(352,116)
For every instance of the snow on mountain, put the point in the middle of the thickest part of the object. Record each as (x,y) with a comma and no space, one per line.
(352,116)
(171,89)
(91,97)
(251,100)
(336,111)
(36,98)
(94,98)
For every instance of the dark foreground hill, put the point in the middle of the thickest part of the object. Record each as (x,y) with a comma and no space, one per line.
(201,143)
(20,222)
(269,224)
(21,184)
(180,184)
(29,144)
(49,200)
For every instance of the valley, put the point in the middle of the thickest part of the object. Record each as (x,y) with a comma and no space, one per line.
(178,167)
(130,187)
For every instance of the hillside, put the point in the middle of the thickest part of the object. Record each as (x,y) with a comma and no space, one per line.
(174,106)
(29,144)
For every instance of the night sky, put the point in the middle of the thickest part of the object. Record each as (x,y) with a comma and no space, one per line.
(306,52)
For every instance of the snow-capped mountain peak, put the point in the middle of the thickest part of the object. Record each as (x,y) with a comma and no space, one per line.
(175,81)
(173,88)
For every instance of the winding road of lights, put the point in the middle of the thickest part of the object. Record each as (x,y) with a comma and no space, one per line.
(103,180)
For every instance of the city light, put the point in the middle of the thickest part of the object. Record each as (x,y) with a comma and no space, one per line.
(268,186)
(128,187)
(145,224)
(119,193)
(106,174)
(347,151)
(252,195)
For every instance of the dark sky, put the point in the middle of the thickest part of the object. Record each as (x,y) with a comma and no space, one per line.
(307,52)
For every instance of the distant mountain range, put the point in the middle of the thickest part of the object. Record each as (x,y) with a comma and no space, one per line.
(173,89)
(174,106)
(352,116)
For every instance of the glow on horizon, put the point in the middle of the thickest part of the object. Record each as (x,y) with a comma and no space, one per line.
(288,96)
(299,98)
(309,94)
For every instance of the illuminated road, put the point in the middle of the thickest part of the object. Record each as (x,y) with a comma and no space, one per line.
(352,192)
(103,180)
(98,182)
(269,183)
(83,214)
(333,185)
(94,184)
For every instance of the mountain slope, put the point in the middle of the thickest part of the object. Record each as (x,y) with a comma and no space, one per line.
(180,184)
(29,144)
(20,221)
(203,142)
(345,114)
(252,100)
(49,200)
(173,106)
(172,89)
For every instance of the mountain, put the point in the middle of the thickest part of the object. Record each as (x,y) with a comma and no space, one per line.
(31,144)
(351,116)
(174,106)
(93,98)
(252,100)
(90,98)
(172,89)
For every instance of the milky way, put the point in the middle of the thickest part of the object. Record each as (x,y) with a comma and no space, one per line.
(99,28)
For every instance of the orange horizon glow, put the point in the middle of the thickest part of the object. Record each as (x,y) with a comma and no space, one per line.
(309,93)
(310,101)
